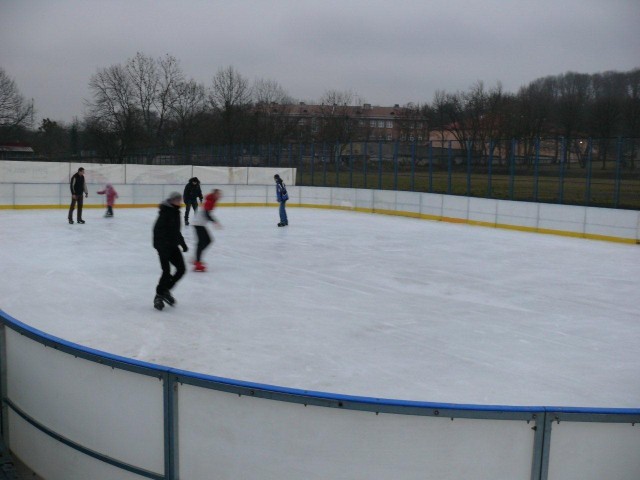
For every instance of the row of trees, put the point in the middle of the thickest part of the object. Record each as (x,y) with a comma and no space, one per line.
(148,103)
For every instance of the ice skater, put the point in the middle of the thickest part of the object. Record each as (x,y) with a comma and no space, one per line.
(192,192)
(282,196)
(201,218)
(111,194)
(78,187)
(166,240)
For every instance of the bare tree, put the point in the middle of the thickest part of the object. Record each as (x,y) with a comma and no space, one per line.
(15,111)
(272,122)
(114,113)
(187,108)
(154,83)
(337,125)
(230,96)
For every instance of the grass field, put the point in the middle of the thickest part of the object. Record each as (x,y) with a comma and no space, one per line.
(571,188)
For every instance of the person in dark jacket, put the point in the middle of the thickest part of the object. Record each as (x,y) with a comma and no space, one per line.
(78,188)
(166,240)
(192,192)
(282,197)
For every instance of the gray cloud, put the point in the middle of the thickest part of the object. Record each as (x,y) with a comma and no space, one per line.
(386,52)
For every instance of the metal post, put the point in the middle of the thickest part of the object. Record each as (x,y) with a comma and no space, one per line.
(395,165)
(313,155)
(616,189)
(170,427)
(469,146)
(379,164)
(563,159)
(4,414)
(430,190)
(449,168)
(351,164)
(512,168)
(413,166)
(364,163)
(338,160)
(536,166)
(587,193)
(490,170)
(324,164)
(540,446)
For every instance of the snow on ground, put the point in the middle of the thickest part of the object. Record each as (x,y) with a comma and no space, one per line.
(343,302)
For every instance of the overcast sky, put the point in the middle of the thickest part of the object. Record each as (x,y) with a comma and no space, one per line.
(384,51)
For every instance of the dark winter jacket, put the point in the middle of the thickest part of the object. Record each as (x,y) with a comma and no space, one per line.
(281,192)
(77,185)
(192,192)
(166,231)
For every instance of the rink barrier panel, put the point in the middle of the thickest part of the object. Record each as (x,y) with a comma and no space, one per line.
(526,437)
(622,226)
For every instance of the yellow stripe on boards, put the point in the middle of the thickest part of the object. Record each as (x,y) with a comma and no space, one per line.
(422,216)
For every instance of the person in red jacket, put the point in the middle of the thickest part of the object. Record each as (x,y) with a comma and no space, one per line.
(111,194)
(202,217)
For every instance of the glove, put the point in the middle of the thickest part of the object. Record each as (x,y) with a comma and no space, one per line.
(185,249)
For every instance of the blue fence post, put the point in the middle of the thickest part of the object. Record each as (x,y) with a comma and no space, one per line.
(512,168)
(364,162)
(587,192)
(449,167)
(395,165)
(469,146)
(351,164)
(313,158)
(563,159)
(324,164)
(413,166)
(616,189)
(536,166)
(300,162)
(490,170)
(379,164)
(430,189)
(338,160)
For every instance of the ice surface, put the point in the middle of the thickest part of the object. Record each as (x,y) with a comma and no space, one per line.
(343,302)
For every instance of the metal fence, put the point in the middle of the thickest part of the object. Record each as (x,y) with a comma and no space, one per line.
(584,171)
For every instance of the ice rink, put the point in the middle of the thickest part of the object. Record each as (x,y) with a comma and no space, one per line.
(343,302)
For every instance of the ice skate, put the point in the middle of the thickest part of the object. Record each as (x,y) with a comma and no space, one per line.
(81,221)
(200,267)
(167,298)
(70,222)
(158,303)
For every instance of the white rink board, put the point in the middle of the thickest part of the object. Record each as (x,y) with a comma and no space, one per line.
(594,451)
(114,412)
(288,440)
(53,460)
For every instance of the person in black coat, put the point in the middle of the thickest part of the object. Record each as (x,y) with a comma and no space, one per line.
(166,240)
(192,192)
(78,188)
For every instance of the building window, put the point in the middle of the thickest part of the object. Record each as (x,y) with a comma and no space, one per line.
(389,124)
(389,136)
(411,138)
(380,123)
(372,123)
(302,122)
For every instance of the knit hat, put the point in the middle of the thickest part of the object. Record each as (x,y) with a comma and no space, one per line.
(175,196)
